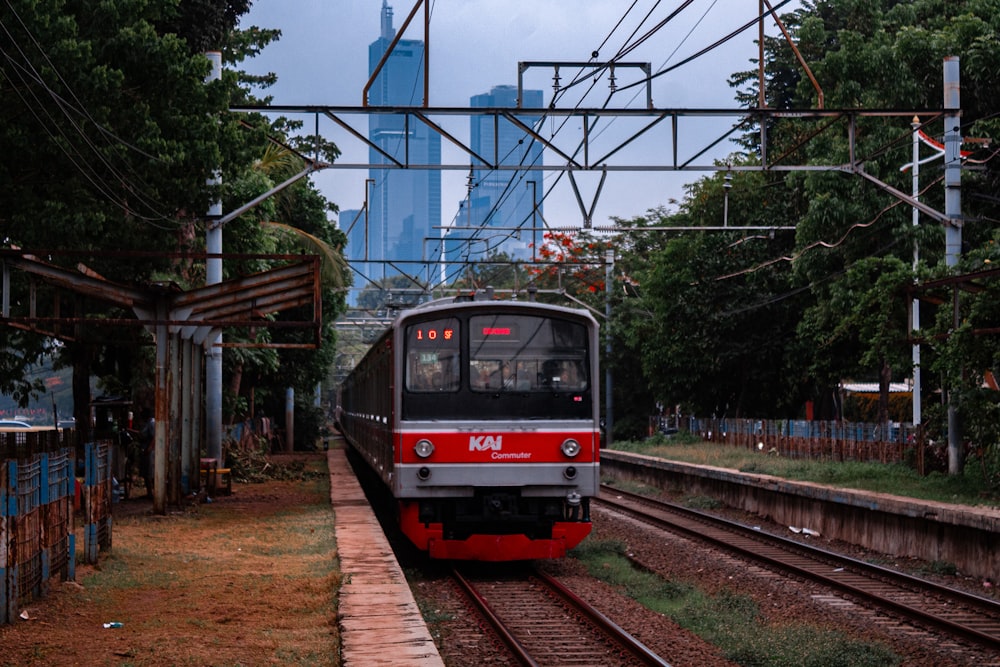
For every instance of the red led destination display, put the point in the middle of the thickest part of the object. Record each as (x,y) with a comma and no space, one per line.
(422,334)
(495,329)
(436,333)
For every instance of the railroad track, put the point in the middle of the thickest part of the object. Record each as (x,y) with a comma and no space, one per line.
(958,614)
(544,624)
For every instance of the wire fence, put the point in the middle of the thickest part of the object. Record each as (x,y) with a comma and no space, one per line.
(808,439)
(38,492)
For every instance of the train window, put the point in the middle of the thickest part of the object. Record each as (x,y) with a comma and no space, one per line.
(494,374)
(564,374)
(432,371)
(432,353)
(525,353)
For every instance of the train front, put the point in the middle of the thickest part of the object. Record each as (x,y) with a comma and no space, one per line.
(497,430)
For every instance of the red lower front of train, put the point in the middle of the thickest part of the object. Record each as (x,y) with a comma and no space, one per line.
(496,495)
(430,537)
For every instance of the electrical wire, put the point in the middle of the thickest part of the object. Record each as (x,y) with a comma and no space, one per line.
(28,75)
(824,244)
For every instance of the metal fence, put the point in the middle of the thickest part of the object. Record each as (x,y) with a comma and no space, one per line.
(37,515)
(831,440)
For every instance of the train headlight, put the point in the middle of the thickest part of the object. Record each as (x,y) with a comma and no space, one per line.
(570,447)
(423,448)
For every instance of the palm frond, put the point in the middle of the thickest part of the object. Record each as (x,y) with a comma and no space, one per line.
(332,264)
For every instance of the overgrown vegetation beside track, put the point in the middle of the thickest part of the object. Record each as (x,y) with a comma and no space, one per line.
(729,620)
(256,464)
(972,488)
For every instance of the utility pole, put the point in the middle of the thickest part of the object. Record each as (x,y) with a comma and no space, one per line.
(915,392)
(609,420)
(213,276)
(953,229)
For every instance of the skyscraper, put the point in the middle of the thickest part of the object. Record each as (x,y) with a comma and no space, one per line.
(404,205)
(503,206)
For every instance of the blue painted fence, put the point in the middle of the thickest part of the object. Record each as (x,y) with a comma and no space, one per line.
(836,440)
(37,491)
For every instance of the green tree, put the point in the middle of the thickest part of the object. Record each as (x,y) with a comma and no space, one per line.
(119,135)
(853,241)
(714,319)
(116,134)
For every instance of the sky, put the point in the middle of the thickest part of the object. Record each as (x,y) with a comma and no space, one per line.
(322,59)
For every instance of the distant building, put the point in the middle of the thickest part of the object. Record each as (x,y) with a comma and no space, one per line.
(353,223)
(404,205)
(508,201)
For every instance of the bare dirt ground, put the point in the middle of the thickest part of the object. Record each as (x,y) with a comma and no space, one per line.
(248,579)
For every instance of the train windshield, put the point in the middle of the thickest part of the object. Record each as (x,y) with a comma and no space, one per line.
(496,366)
(523,353)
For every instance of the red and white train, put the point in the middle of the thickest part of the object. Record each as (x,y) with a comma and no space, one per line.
(482,419)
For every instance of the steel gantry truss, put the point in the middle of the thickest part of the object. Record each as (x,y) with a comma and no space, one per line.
(572,153)
(580,148)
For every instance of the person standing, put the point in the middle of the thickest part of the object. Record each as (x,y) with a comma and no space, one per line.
(147,439)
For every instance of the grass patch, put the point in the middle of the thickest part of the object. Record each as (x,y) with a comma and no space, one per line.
(703,503)
(730,621)
(893,478)
(630,485)
(941,567)
(118,572)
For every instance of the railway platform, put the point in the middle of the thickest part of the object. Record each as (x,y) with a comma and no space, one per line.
(968,537)
(379,621)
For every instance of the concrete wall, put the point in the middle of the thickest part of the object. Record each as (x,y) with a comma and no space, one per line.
(968,537)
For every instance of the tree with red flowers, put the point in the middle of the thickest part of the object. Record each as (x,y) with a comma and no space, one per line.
(573,262)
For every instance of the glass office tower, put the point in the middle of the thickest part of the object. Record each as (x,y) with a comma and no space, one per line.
(404,205)
(504,206)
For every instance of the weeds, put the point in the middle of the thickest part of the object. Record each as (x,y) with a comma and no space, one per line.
(941,567)
(730,621)
(893,478)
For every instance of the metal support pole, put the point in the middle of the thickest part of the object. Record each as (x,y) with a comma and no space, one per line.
(161,411)
(609,420)
(916,260)
(197,398)
(174,380)
(727,185)
(534,224)
(213,276)
(952,162)
(290,419)
(953,228)
(189,462)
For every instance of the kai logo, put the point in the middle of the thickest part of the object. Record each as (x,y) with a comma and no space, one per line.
(484,443)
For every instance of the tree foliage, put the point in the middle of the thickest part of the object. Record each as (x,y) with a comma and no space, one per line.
(117,136)
(731,323)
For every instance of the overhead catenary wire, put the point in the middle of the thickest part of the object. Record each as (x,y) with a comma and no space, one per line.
(31,80)
(630,43)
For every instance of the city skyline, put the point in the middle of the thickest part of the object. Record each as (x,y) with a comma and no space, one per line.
(502,208)
(477,43)
(392,234)
(403,205)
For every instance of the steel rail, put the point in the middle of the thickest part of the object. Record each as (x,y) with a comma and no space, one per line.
(747,542)
(630,649)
